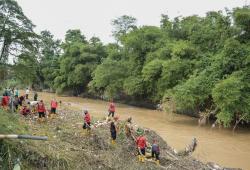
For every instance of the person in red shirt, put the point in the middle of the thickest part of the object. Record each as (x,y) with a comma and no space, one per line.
(53,105)
(5,101)
(87,121)
(141,144)
(111,109)
(41,110)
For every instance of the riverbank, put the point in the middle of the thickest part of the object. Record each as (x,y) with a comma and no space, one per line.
(215,145)
(69,147)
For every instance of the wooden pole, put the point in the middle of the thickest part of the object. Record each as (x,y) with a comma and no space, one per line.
(14,136)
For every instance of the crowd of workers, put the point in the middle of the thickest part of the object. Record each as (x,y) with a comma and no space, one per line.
(21,103)
(25,105)
(140,141)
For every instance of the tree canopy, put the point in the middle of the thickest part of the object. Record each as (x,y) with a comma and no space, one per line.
(199,63)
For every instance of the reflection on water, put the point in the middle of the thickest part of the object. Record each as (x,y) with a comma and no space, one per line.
(219,146)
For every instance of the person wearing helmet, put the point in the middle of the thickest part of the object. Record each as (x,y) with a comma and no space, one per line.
(141,144)
(87,121)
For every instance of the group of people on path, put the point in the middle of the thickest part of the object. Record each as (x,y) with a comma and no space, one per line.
(21,103)
(140,141)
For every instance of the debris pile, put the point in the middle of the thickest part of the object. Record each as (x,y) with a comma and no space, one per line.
(69,147)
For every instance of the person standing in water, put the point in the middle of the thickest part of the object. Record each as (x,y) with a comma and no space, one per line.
(111,108)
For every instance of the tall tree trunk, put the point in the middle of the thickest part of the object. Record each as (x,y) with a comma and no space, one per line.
(2,50)
(4,47)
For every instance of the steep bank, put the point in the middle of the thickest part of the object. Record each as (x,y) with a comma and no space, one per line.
(69,148)
(215,145)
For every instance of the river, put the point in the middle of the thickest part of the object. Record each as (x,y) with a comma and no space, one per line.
(214,145)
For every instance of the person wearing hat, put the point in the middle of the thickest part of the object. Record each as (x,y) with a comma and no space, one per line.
(141,145)
(87,121)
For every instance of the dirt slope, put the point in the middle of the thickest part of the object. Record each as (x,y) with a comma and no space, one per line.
(69,147)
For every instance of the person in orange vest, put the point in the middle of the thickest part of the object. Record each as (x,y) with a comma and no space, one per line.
(53,105)
(87,121)
(111,109)
(141,145)
(41,111)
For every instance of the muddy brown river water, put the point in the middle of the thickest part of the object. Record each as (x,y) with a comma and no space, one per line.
(217,145)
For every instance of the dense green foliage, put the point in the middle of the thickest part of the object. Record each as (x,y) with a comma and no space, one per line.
(198,63)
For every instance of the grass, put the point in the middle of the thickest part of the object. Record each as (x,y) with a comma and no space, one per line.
(33,154)
(9,150)
(10,123)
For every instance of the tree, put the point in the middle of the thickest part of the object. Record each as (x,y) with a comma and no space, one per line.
(139,43)
(173,72)
(48,61)
(241,17)
(231,96)
(123,25)
(16,30)
(108,77)
(74,36)
(78,61)
(26,69)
